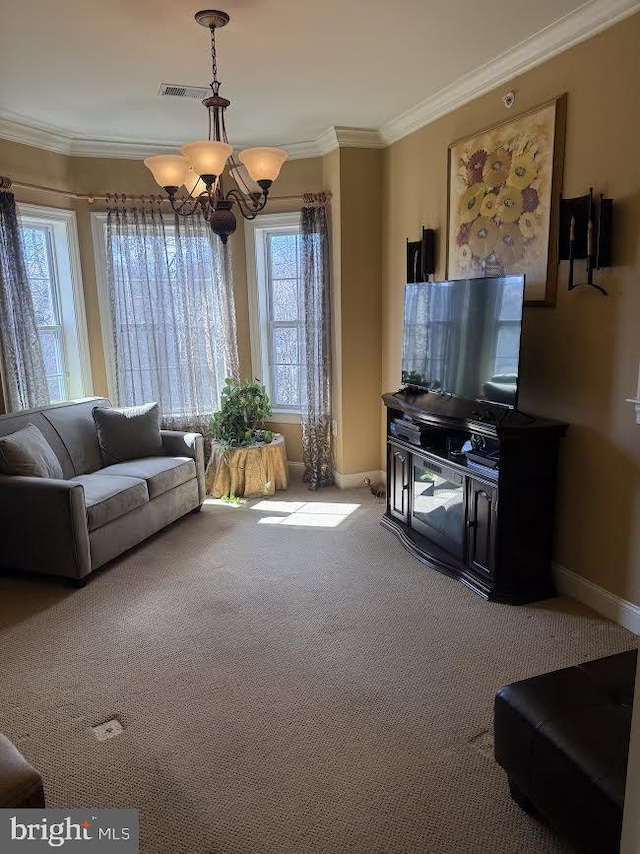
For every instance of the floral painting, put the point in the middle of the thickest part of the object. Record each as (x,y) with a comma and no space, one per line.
(501,188)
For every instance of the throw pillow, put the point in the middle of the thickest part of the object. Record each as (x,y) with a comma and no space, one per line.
(26,452)
(128,433)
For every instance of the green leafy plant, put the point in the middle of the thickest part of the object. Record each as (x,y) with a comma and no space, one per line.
(244,407)
(233,499)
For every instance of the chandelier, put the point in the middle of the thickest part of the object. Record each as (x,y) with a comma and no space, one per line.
(201,165)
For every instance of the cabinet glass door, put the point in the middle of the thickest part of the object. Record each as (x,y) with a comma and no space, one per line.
(438,505)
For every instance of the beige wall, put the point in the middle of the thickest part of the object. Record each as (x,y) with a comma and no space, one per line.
(331,176)
(360,307)
(353,177)
(580,359)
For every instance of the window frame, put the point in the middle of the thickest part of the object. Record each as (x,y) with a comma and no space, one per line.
(256,232)
(65,264)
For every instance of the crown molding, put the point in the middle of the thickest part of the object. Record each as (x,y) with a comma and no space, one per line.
(303,150)
(336,137)
(359,138)
(17,129)
(326,142)
(577,26)
(583,23)
(344,137)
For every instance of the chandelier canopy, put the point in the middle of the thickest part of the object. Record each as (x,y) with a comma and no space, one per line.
(201,165)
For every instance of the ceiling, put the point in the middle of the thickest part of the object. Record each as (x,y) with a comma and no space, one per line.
(89,70)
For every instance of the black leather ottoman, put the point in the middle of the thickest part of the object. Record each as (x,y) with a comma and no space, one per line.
(563,739)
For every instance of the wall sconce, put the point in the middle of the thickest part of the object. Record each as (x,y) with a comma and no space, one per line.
(585,233)
(421,257)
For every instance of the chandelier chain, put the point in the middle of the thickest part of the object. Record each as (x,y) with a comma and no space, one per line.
(215,83)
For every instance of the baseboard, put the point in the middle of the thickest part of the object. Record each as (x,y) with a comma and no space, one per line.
(619,610)
(350,481)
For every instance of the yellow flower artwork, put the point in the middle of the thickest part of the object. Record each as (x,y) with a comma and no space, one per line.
(502,199)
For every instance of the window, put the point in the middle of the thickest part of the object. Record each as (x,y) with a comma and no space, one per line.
(167,314)
(52,261)
(276,316)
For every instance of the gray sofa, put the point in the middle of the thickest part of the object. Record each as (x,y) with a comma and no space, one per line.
(71,527)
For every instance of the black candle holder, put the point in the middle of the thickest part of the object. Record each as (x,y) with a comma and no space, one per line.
(585,234)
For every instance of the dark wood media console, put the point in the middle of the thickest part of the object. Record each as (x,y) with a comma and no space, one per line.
(484,515)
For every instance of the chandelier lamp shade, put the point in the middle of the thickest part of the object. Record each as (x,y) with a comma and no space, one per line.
(200,167)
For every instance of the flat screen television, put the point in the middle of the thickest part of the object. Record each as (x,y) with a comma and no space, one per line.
(463,337)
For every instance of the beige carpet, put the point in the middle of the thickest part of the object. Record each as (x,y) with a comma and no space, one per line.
(283,687)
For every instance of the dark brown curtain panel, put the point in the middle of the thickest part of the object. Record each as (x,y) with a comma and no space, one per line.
(24,379)
(316,416)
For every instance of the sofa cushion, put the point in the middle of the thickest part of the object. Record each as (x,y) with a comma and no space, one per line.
(109,497)
(160,473)
(71,432)
(128,433)
(26,452)
(16,420)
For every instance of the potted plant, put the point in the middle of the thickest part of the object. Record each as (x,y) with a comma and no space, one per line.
(244,408)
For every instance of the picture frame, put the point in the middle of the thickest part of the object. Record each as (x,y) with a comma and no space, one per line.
(504,187)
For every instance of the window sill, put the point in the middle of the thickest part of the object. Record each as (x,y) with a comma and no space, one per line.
(278,417)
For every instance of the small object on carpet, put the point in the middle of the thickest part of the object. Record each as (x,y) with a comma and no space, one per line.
(107,730)
(377,489)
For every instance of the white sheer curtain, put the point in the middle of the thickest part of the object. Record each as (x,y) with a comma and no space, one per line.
(173,314)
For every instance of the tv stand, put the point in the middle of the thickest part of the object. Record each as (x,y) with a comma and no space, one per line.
(471,492)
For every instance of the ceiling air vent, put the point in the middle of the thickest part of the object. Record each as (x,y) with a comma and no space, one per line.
(179,90)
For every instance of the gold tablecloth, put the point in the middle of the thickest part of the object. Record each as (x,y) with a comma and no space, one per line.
(249,472)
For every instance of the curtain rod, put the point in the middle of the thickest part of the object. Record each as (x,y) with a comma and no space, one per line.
(7,183)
